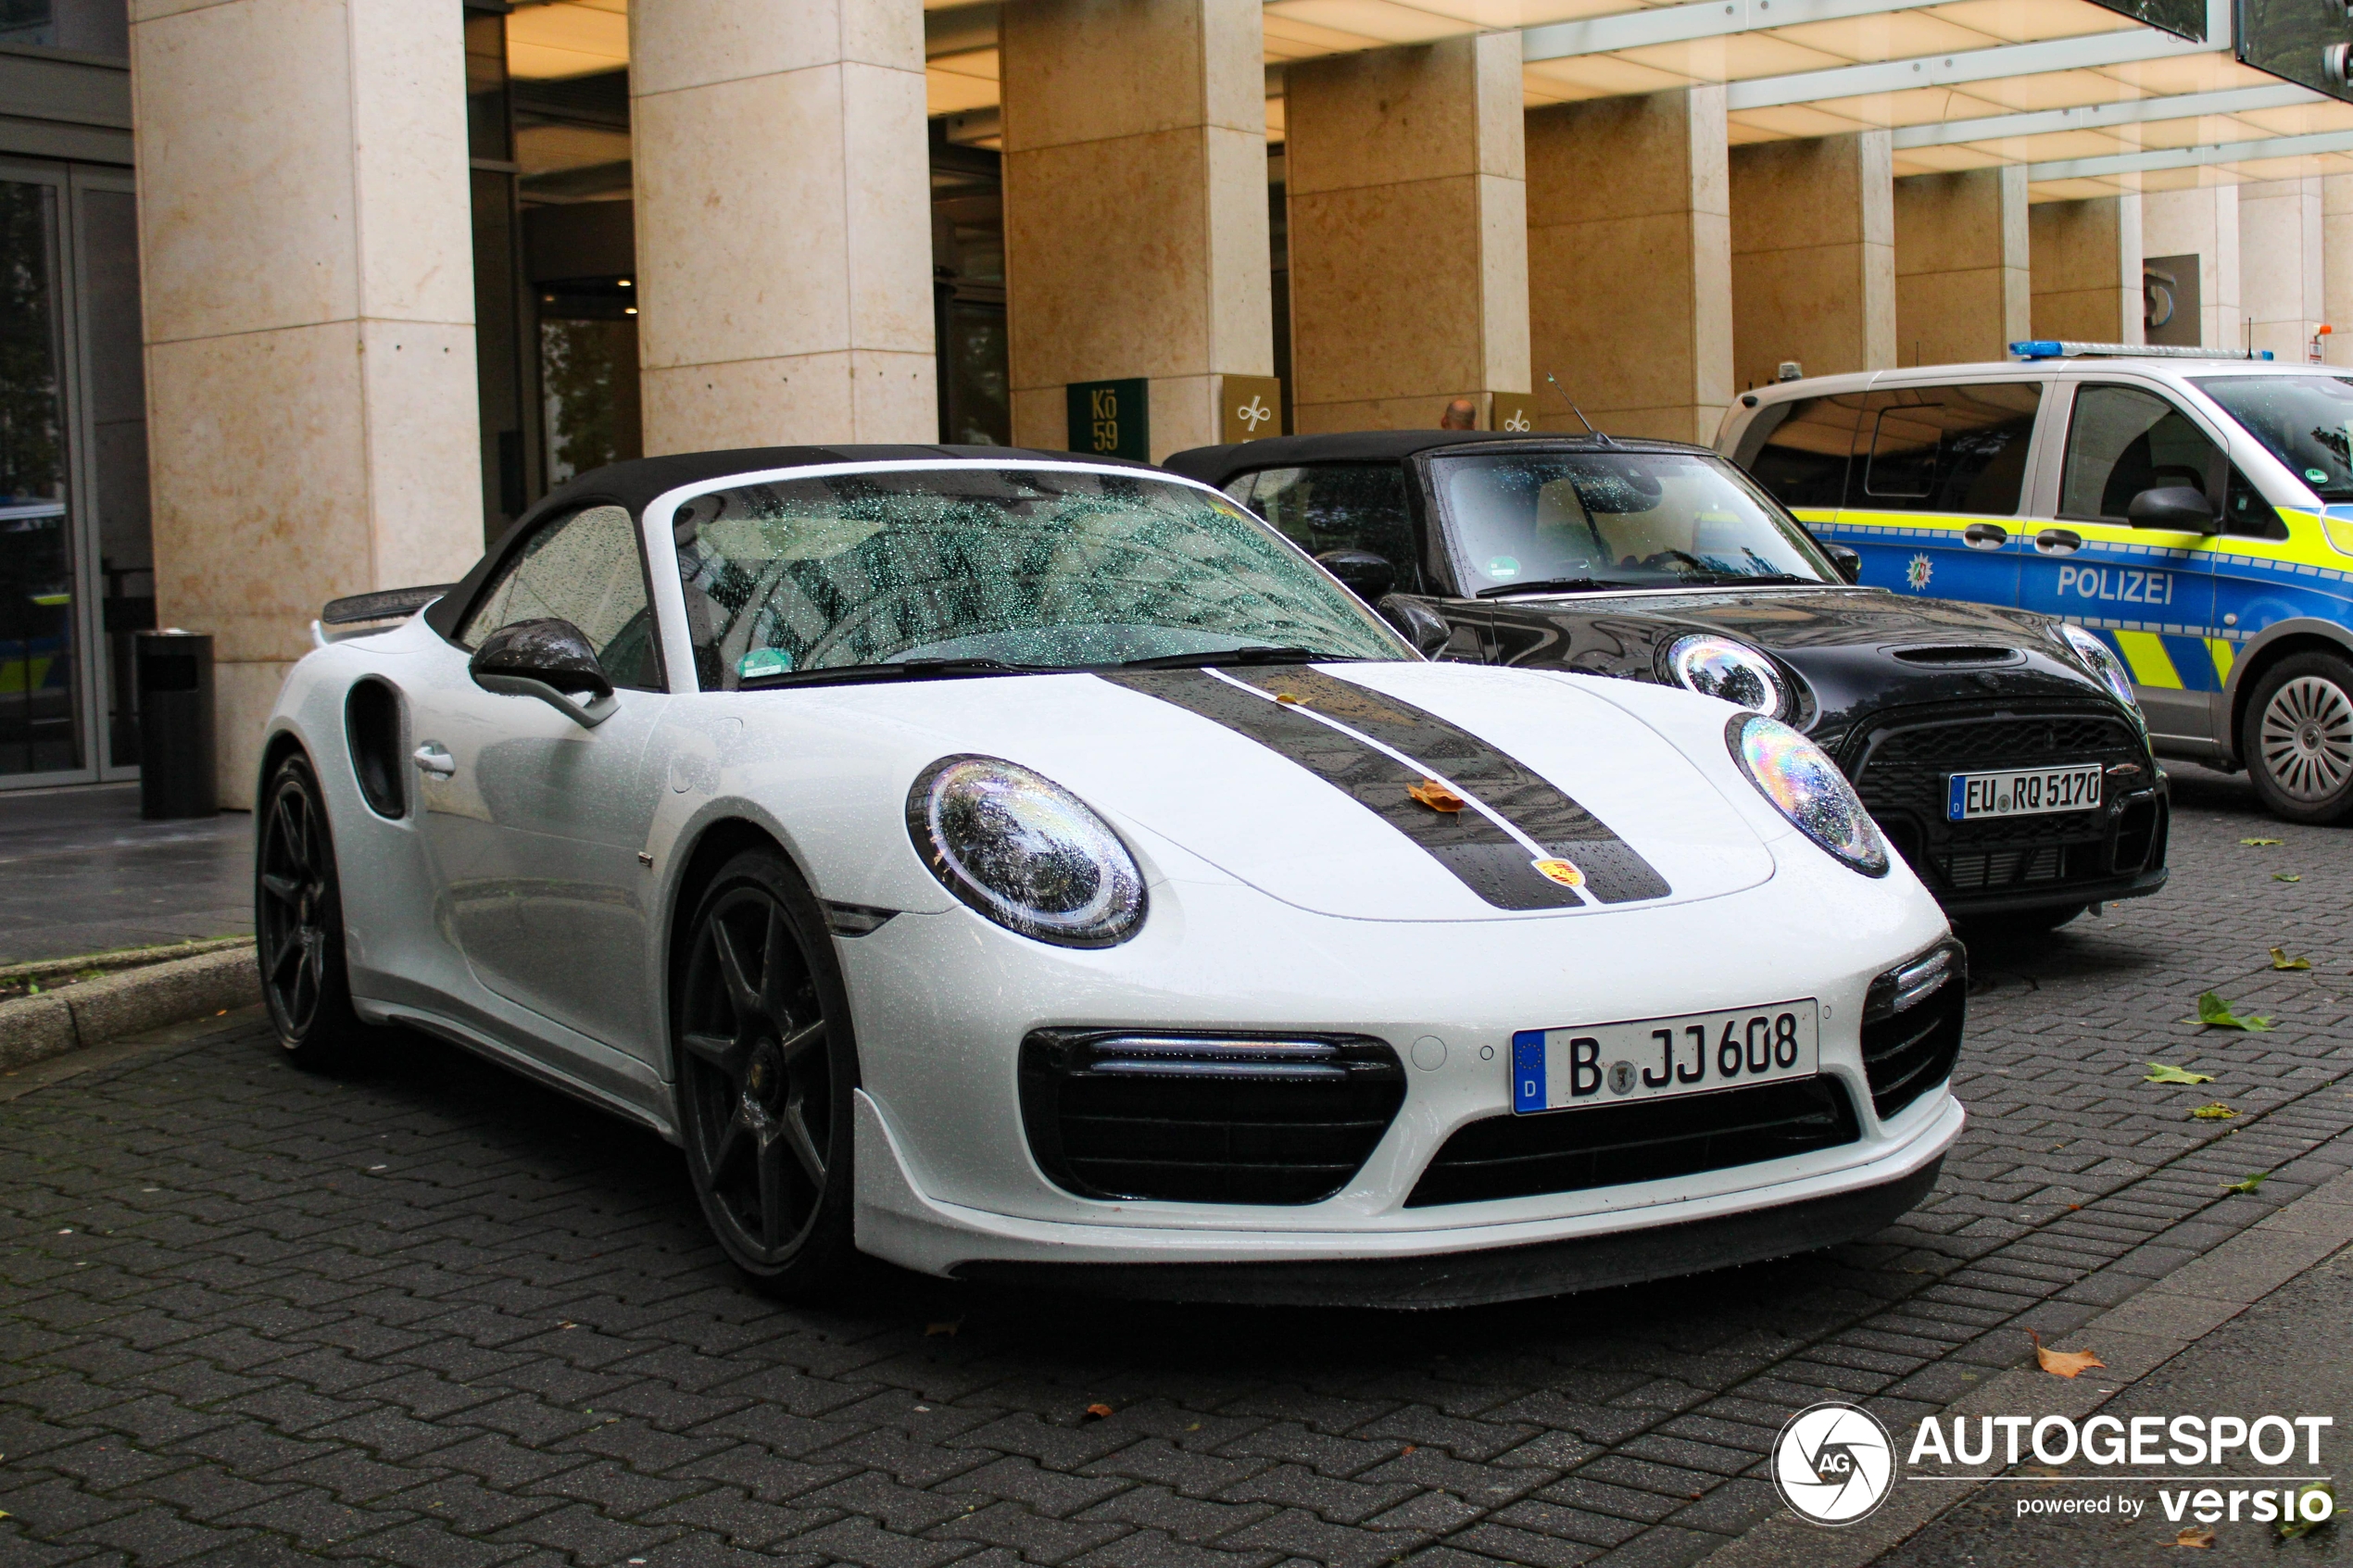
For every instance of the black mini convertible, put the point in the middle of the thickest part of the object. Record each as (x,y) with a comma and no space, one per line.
(1999,750)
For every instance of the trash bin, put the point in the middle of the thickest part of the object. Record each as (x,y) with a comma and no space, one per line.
(175,726)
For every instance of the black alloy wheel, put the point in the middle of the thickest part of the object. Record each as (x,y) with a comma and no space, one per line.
(2296,739)
(767,1065)
(297,921)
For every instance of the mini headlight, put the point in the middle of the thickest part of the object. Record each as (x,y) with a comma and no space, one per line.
(1025,852)
(1721,667)
(2101,661)
(1806,787)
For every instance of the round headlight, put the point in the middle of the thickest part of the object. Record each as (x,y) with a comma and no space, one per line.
(1025,852)
(2097,657)
(1719,667)
(1806,787)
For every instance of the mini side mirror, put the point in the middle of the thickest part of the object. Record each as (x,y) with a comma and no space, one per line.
(1844,559)
(1419,624)
(1367,575)
(2174,507)
(550,661)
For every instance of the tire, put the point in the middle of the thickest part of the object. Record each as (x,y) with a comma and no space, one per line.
(2296,739)
(766,1063)
(298,923)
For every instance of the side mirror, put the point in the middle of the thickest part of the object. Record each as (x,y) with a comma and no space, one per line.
(2174,507)
(1419,624)
(1846,559)
(546,659)
(1365,574)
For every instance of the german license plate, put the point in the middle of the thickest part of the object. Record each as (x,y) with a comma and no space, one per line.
(1660,1058)
(2027,792)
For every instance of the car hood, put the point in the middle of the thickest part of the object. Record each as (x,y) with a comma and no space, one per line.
(1206,771)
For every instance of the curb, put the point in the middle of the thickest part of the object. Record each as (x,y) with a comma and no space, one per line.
(2135,1337)
(35,1028)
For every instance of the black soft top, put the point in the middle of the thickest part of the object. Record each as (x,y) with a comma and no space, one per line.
(637,483)
(1215,466)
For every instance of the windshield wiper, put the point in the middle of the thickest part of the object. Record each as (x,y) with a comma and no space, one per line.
(1747,580)
(896,670)
(1551,585)
(1234,656)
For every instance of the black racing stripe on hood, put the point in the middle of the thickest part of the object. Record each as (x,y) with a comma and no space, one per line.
(1481,856)
(1615,872)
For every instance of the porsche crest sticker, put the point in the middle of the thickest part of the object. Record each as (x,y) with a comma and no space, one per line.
(1554,868)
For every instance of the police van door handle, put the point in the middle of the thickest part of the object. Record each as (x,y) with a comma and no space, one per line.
(433,759)
(2058,540)
(1985,535)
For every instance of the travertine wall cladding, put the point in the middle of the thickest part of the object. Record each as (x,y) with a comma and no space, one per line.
(1813,256)
(2086,264)
(1963,288)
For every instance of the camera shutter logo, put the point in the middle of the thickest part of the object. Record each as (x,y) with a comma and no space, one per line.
(1834,1463)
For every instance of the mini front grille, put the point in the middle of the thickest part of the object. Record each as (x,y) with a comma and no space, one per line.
(1190,1117)
(1642,1141)
(1909,1052)
(2004,868)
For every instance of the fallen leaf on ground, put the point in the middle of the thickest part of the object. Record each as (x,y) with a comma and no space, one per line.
(2062,1363)
(2248,1185)
(2215,1014)
(2193,1535)
(1096,1413)
(947,1329)
(2291,1528)
(2217,1112)
(1435,795)
(2261,842)
(2161,1073)
(2280,961)
(2283,876)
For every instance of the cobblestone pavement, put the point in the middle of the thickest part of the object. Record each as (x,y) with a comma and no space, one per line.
(434,1316)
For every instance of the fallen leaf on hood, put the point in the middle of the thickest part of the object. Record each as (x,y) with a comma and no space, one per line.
(2283,876)
(1096,1413)
(2195,1535)
(2280,961)
(2062,1363)
(2217,1112)
(2261,842)
(2161,1073)
(2291,1528)
(1435,795)
(1293,701)
(2215,1014)
(942,1329)
(2250,1185)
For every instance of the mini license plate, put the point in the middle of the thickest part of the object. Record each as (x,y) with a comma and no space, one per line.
(1660,1058)
(2026,792)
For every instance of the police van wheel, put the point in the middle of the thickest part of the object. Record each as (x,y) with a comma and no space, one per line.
(2297,739)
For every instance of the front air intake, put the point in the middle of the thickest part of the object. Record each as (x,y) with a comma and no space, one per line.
(1912,1021)
(1958,656)
(1188,1117)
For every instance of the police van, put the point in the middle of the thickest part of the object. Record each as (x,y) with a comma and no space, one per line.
(2194,512)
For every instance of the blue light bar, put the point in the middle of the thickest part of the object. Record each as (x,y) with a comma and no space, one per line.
(2056,348)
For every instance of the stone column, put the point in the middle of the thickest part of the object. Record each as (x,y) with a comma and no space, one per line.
(1962,289)
(1630,275)
(2203,223)
(2337,264)
(1136,225)
(308,305)
(783,223)
(1408,212)
(1813,256)
(2280,278)
(2086,264)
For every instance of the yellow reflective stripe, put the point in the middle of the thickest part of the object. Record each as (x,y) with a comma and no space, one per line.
(2152,666)
(2225,654)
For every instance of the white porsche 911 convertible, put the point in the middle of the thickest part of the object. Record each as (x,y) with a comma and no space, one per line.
(1036,870)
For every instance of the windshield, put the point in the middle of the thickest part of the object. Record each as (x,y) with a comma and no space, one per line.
(2306,421)
(1031,567)
(1617,520)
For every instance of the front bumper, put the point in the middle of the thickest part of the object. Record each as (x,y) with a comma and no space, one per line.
(947,1184)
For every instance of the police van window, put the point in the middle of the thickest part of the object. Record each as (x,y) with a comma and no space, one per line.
(1798,451)
(1331,506)
(1953,449)
(2122,441)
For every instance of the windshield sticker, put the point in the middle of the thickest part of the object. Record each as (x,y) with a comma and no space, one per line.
(764,661)
(1502,568)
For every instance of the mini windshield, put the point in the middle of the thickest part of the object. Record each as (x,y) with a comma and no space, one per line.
(1570,522)
(2306,421)
(1030,568)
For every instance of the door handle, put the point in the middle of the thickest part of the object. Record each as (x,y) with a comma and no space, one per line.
(432,758)
(2058,540)
(1986,535)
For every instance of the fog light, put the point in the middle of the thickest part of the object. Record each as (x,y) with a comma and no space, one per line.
(1908,985)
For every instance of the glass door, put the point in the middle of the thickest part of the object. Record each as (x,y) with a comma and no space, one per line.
(42,736)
